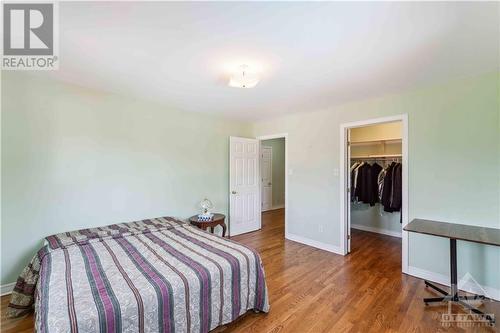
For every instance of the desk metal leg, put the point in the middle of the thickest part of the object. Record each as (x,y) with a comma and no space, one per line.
(454,296)
(428,284)
(453,270)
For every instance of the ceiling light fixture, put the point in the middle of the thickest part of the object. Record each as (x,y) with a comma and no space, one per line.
(244,77)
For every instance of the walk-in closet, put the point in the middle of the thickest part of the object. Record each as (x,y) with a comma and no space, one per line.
(376,178)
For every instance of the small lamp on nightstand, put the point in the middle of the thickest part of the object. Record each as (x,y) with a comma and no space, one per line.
(206,205)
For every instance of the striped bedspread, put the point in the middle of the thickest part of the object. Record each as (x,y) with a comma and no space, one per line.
(158,275)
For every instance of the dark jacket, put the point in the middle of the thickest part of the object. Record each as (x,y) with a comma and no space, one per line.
(375,170)
(396,194)
(387,194)
(364,185)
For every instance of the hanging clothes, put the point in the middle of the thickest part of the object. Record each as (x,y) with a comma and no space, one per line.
(371,184)
(364,185)
(396,192)
(392,192)
(354,180)
(380,183)
(368,186)
(387,192)
(375,171)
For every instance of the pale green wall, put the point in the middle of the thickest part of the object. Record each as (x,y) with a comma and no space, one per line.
(278,163)
(73,158)
(453,170)
(375,217)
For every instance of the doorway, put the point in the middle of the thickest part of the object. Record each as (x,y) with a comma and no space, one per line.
(245,183)
(274,178)
(272,172)
(379,145)
(266,174)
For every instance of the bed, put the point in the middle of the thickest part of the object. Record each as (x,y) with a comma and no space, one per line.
(155,275)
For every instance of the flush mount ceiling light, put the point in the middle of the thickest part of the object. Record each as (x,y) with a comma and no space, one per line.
(244,77)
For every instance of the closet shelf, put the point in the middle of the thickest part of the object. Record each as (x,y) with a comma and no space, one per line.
(375,142)
(377,156)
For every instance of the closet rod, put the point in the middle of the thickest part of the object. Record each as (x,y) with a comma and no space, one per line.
(377,159)
(374,142)
(395,156)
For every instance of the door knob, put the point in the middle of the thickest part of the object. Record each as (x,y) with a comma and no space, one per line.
(234,192)
(269,184)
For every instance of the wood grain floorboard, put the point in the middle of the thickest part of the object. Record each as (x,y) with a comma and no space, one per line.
(311,290)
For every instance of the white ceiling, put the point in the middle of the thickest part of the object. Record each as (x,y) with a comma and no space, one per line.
(311,55)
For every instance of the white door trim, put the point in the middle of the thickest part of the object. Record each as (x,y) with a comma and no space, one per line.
(343,181)
(279,136)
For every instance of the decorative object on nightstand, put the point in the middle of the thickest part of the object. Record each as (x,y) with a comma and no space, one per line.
(217,219)
(206,205)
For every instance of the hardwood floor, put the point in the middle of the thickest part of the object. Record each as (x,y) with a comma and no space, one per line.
(18,325)
(311,290)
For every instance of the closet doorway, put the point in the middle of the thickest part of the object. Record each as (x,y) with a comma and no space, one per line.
(374,183)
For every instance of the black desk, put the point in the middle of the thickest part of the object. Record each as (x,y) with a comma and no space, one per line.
(453,232)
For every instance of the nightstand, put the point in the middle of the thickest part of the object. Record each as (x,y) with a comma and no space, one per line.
(218,219)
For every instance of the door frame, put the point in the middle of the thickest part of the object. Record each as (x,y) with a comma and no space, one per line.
(344,174)
(278,136)
(261,184)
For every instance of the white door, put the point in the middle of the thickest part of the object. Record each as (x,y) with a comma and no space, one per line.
(244,185)
(266,171)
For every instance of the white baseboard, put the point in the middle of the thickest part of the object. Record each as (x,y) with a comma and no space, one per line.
(6,289)
(474,288)
(376,230)
(314,243)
